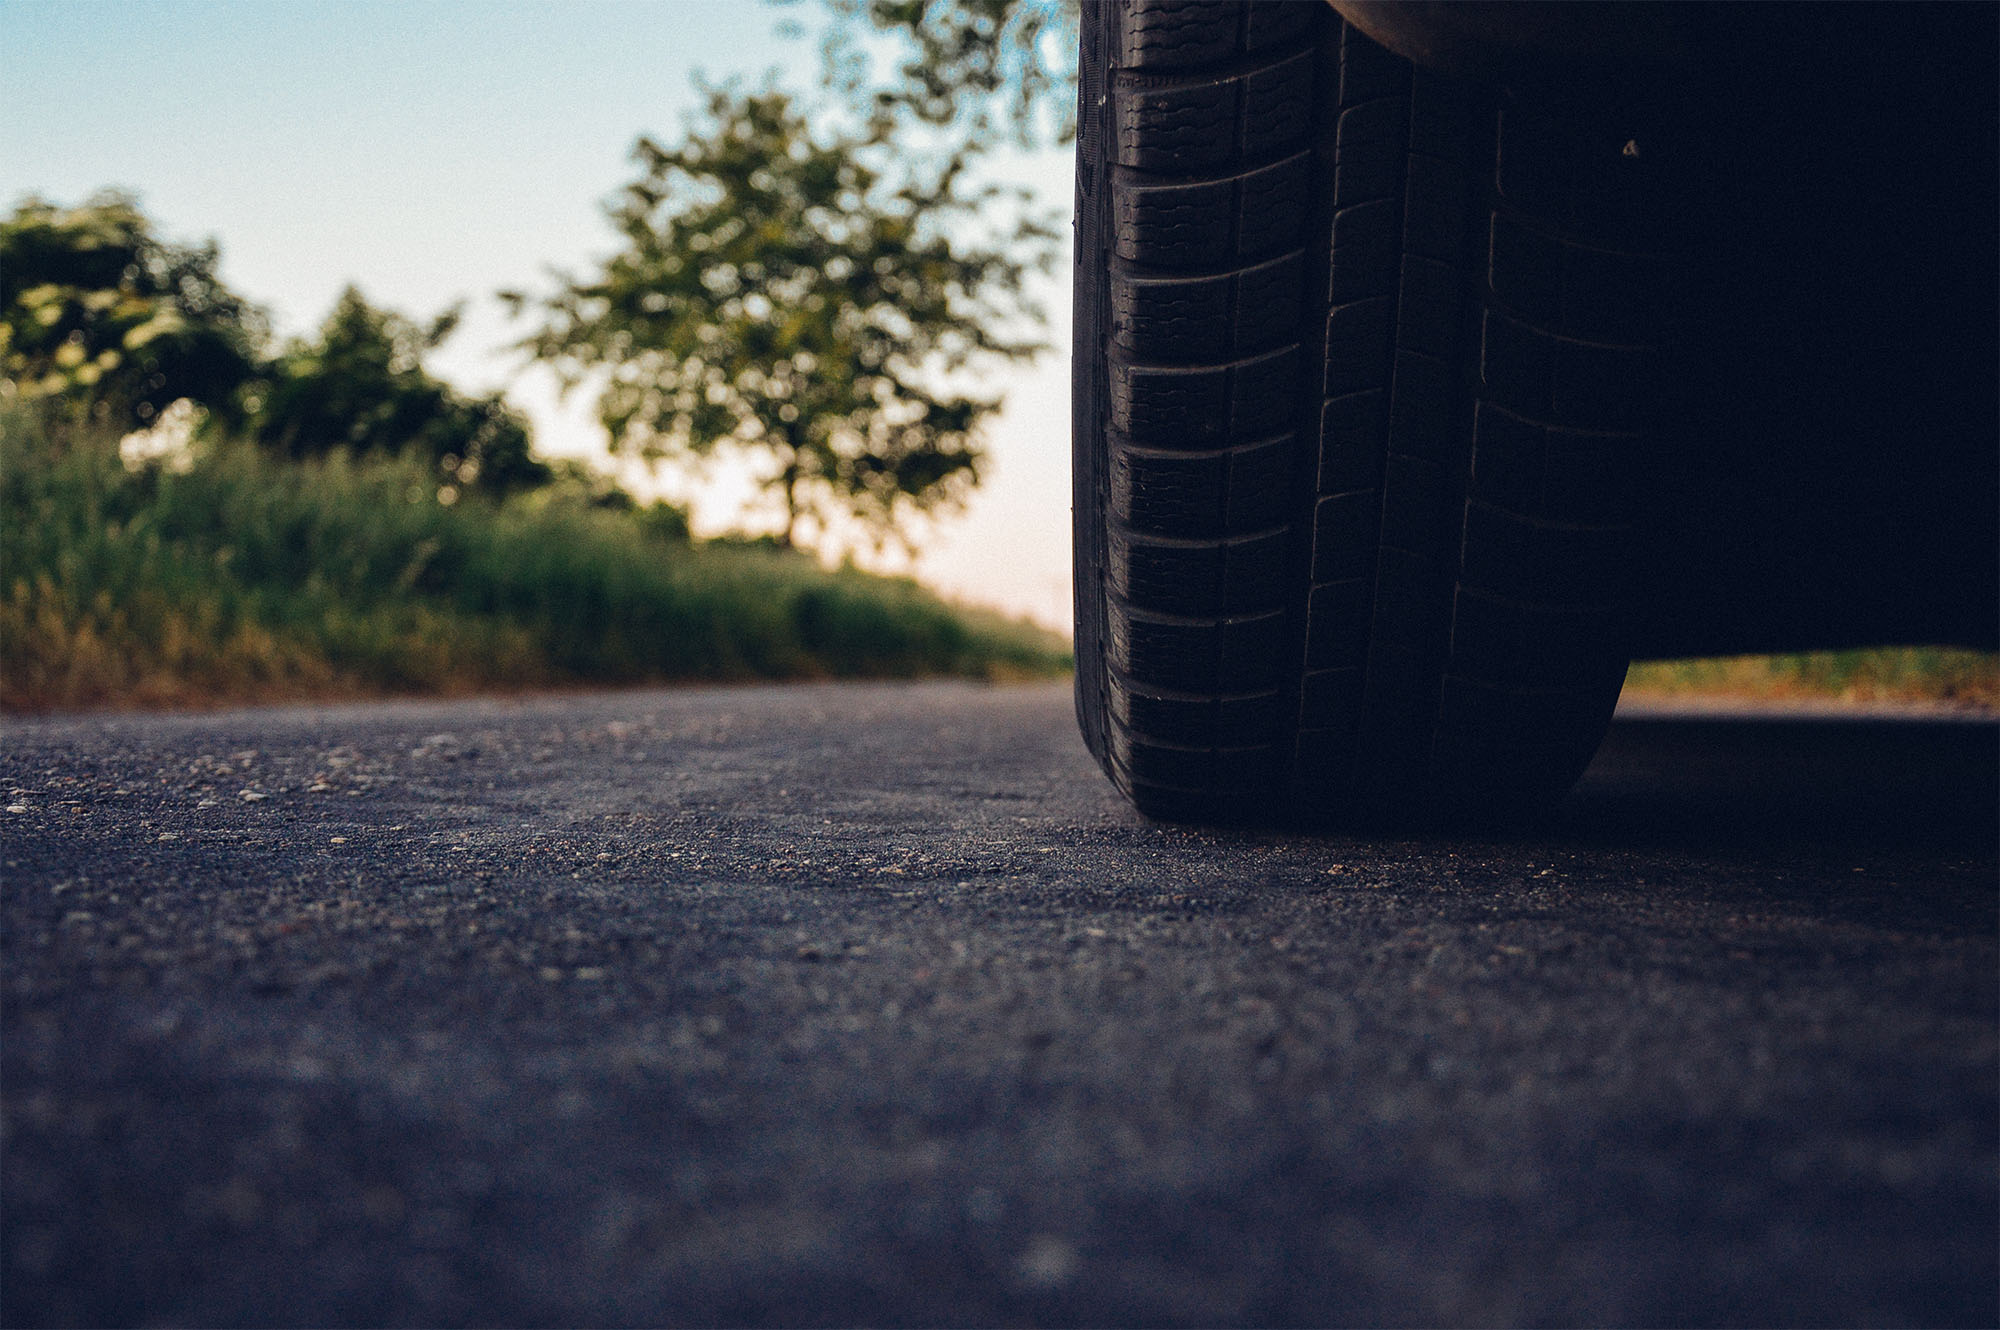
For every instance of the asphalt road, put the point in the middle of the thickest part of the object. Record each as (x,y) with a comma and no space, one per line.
(875,1004)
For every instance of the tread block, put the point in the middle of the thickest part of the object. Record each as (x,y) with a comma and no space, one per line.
(1604,387)
(1172,579)
(1367,71)
(1206,319)
(1420,508)
(1502,641)
(1251,719)
(1532,171)
(1427,309)
(1344,535)
(1358,339)
(1167,655)
(1516,718)
(1525,559)
(1576,290)
(1365,254)
(1268,25)
(1369,149)
(1232,655)
(1397,716)
(1412,602)
(1176,720)
(1516,366)
(1581,181)
(1354,433)
(1422,408)
(1166,34)
(1273,204)
(1253,573)
(1337,623)
(1261,485)
(1205,406)
(1263,395)
(1197,225)
(1178,225)
(1224,577)
(1269,300)
(1509,461)
(1176,128)
(1248,488)
(1169,407)
(1496,743)
(1150,762)
(1331,700)
(1168,494)
(1596,477)
(1177,318)
(1436,196)
(1585,477)
(1196,721)
(1441,118)
(1254,652)
(1278,106)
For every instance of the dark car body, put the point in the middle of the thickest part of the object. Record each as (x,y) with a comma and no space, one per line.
(1829,475)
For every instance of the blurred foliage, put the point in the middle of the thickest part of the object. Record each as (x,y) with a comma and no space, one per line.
(1874,674)
(249,577)
(989,69)
(103,322)
(101,315)
(801,296)
(360,385)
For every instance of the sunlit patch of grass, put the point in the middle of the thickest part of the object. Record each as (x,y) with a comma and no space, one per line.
(1949,675)
(245,578)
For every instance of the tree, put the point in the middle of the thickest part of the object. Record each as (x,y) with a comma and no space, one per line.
(965,64)
(360,385)
(98,313)
(783,293)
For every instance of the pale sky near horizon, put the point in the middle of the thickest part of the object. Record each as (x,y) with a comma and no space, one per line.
(447,149)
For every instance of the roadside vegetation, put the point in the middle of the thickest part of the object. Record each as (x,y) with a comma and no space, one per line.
(1950,675)
(248,577)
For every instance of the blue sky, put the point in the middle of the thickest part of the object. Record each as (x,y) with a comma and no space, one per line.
(433,150)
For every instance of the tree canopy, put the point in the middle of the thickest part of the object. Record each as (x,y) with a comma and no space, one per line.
(103,320)
(800,296)
(360,385)
(98,312)
(983,67)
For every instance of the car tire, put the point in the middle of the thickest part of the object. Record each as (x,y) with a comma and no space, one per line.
(1365,362)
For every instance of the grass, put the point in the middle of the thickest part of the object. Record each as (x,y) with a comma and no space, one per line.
(249,579)
(1950,675)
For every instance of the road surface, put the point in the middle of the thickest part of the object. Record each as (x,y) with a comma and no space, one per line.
(874,1004)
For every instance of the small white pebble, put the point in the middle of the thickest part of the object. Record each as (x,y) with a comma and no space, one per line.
(253,796)
(1048,1262)
(170,835)
(336,840)
(17,808)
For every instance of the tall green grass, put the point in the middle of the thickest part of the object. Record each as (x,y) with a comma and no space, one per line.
(247,578)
